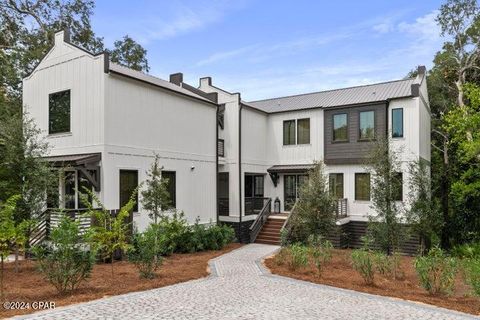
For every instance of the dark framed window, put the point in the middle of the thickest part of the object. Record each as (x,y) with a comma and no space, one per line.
(83,183)
(303,131)
(171,186)
(367,125)
(69,190)
(335,184)
(362,186)
(340,127)
(291,189)
(128,184)
(398,186)
(397,123)
(288,132)
(59,112)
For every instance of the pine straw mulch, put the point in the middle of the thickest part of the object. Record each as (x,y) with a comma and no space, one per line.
(339,273)
(28,285)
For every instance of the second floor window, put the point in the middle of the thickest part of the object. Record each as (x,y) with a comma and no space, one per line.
(397,123)
(367,125)
(59,112)
(289,132)
(340,127)
(303,129)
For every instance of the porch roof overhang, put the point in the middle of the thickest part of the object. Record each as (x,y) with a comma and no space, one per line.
(75,160)
(290,168)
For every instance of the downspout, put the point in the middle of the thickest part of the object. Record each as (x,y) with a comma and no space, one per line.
(240,167)
(216,161)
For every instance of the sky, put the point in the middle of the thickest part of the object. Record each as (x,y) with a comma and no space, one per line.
(265,49)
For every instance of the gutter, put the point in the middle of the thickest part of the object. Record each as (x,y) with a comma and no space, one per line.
(216,162)
(240,165)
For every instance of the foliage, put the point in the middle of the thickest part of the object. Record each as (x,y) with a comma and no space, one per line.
(467,250)
(436,271)
(7,231)
(155,198)
(472,274)
(385,225)
(423,216)
(321,252)
(314,213)
(130,54)
(362,262)
(298,256)
(66,261)
(145,253)
(282,256)
(388,265)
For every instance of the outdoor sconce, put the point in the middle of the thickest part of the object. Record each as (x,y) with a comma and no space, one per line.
(276,205)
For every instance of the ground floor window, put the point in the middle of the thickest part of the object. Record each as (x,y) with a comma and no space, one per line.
(291,187)
(171,186)
(398,186)
(335,183)
(362,186)
(128,184)
(67,192)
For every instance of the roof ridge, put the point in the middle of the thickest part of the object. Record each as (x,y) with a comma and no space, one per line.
(330,90)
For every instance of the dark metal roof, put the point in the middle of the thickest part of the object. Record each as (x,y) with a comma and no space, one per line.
(290,168)
(339,97)
(75,159)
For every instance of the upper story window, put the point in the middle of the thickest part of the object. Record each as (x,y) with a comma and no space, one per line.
(340,127)
(59,112)
(367,125)
(397,123)
(303,131)
(288,132)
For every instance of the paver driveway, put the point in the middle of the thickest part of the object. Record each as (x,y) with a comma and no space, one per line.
(239,288)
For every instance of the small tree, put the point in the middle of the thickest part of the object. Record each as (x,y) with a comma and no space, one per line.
(7,232)
(146,252)
(109,233)
(384,226)
(423,215)
(315,209)
(155,198)
(20,238)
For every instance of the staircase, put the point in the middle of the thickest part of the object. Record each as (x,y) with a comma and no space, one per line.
(270,232)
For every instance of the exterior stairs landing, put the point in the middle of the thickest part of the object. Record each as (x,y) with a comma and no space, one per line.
(270,232)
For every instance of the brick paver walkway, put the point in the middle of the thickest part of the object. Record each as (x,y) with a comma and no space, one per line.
(239,288)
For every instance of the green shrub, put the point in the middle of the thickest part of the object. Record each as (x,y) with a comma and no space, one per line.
(383,263)
(320,251)
(298,256)
(362,262)
(217,237)
(282,257)
(467,250)
(436,272)
(472,274)
(65,261)
(146,252)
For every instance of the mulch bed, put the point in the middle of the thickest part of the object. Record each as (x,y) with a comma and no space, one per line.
(339,273)
(28,285)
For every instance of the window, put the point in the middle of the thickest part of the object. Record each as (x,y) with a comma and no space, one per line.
(288,132)
(397,123)
(398,186)
(69,190)
(83,183)
(335,183)
(291,189)
(171,186)
(128,183)
(59,112)
(367,125)
(362,186)
(303,131)
(340,127)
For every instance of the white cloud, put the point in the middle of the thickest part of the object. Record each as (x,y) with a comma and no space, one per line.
(224,55)
(424,27)
(383,27)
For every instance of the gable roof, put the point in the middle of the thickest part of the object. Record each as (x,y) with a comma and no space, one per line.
(340,97)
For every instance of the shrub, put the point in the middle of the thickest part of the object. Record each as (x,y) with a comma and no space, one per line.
(472,274)
(217,237)
(298,256)
(467,250)
(282,257)
(146,252)
(436,271)
(320,251)
(362,262)
(383,263)
(65,262)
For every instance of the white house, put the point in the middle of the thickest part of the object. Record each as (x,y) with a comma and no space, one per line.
(228,159)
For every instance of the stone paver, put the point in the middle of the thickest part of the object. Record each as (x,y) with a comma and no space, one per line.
(240,288)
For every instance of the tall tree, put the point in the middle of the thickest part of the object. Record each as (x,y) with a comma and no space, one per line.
(130,54)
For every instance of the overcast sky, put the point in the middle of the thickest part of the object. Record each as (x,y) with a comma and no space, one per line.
(274,48)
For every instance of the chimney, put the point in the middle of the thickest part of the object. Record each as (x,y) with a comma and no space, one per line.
(62,36)
(421,70)
(176,78)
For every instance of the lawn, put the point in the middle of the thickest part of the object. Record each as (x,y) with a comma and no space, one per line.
(339,273)
(28,285)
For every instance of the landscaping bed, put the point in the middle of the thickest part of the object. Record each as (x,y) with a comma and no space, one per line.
(28,285)
(339,273)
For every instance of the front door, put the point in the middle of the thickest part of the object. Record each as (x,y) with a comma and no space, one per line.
(291,187)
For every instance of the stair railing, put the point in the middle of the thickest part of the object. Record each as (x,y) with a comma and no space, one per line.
(286,225)
(262,217)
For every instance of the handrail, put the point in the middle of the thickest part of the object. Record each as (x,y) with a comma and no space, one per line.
(285,224)
(260,220)
(341,208)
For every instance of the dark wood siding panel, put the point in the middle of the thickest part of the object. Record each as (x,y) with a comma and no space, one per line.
(353,151)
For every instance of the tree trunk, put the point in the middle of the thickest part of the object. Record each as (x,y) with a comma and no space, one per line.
(1,281)
(111,264)
(444,190)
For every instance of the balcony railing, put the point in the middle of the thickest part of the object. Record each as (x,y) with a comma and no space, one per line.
(341,208)
(254,205)
(221,147)
(224,206)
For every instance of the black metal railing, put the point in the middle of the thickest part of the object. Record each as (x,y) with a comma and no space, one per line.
(253,205)
(341,208)
(221,147)
(262,217)
(223,206)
